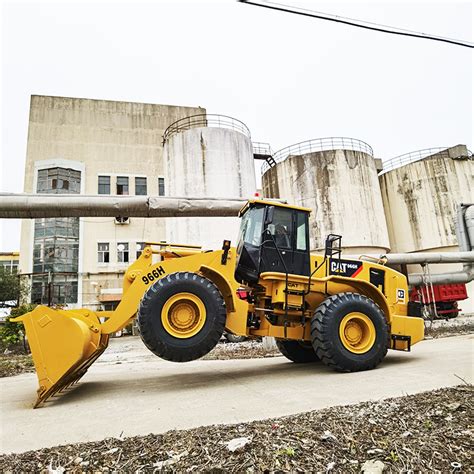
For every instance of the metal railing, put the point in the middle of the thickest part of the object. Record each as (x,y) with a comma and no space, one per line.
(261,148)
(320,144)
(206,120)
(407,158)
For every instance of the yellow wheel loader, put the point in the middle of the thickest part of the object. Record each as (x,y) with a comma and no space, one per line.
(344,313)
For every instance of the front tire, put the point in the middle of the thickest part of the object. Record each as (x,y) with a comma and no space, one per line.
(182,317)
(296,351)
(349,333)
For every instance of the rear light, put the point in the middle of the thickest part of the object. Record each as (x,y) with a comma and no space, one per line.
(242,294)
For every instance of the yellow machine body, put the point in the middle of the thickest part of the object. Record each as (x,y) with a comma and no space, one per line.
(64,343)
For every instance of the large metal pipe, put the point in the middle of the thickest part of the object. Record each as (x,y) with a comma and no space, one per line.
(465,236)
(428,257)
(416,279)
(31,206)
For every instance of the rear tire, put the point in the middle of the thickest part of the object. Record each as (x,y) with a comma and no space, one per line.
(349,333)
(233,338)
(182,317)
(296,351)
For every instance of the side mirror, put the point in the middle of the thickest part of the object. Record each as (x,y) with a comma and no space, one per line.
(269,215)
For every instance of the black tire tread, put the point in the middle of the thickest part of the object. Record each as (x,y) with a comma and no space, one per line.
(295,352)
(320,332)
(165,351)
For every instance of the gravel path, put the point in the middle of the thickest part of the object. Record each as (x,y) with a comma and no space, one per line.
(430,431)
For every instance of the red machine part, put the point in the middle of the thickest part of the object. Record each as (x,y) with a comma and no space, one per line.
(445,297)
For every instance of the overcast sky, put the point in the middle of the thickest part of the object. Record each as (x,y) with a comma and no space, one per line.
(289,78)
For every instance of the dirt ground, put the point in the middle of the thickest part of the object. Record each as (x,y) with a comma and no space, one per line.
(430,431)
(452,327)
(14,364)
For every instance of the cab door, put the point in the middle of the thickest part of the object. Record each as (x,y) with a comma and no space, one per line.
(285,243)
(277,244)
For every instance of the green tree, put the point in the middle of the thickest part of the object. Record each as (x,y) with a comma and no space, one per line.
(12,334)
(13,289)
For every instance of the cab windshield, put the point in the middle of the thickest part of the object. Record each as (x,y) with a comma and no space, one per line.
(251,227)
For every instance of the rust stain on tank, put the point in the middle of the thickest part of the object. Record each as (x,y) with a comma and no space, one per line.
(270,185)
(407,189)
(299,163)
(352,159)
(203,162)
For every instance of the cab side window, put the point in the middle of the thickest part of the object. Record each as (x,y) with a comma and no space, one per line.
(281,227)
(301,225)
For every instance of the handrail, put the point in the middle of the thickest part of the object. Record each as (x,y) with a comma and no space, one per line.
(320,144)
(206,120)
(261,148)
(272,240)
(418,155)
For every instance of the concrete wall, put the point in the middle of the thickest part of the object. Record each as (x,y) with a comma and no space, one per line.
(208,162)
(341,188)
(424,195)
(420,202)
(99,137)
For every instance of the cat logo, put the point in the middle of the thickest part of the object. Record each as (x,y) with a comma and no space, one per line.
(347,268)
(400,295)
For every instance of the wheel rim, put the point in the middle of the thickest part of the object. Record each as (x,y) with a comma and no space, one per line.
(183,315)
(357,333)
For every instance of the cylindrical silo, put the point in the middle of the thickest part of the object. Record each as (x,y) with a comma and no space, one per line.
(337,179)
(207,156)
(421,192)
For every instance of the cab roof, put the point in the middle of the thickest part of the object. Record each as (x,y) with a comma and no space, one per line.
(269,202)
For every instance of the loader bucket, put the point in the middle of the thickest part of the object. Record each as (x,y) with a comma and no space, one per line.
(64,344)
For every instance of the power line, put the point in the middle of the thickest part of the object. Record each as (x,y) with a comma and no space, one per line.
(357,23)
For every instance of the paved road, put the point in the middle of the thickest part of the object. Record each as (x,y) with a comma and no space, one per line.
(144,395)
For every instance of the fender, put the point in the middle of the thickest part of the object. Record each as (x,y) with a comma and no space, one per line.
(361,286)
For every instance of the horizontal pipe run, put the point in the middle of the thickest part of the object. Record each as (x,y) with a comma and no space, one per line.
(417,279)
(428,257)
(32,206)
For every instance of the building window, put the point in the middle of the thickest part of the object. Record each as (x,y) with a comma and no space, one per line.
(60,184)
(104,185)
(161,186)
(122,252)
(56,243)
(140,247)
(122,185)
(110,305)
(9,265)
(103,252)
(140,186)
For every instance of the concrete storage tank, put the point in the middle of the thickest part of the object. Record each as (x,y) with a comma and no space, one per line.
(207,156)
(337,179)
(421,191)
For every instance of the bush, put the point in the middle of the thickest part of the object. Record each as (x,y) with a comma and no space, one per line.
(11,333)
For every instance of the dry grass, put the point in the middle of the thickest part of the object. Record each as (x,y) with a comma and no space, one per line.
(14,364)
(240,350)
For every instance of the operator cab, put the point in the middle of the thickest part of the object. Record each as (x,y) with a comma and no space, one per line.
(273,237)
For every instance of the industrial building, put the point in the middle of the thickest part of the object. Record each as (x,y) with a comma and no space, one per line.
(9,261)
(337,179)
(208,155)
(409,205)
(91,147)
(118,148)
